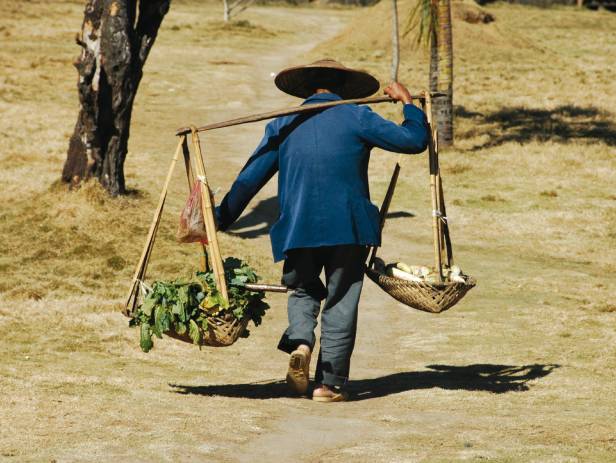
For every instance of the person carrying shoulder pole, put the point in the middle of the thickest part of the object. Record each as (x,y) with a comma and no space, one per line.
(326,220)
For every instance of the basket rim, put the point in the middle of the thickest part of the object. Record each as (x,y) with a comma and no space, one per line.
(470,281)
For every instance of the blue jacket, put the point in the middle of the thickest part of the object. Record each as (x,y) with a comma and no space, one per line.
(322,160)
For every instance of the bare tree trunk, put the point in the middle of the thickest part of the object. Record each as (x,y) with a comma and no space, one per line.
(225,14)
(116,38)
(441,73)
(395,43)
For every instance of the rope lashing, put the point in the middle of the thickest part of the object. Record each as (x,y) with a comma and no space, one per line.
(145,289)
(439,214)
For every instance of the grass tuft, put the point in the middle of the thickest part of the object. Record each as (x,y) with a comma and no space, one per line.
(549,193)
(492,199)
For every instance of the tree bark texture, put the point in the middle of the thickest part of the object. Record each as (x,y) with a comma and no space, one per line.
(116,37)
(441,73)
(433,62)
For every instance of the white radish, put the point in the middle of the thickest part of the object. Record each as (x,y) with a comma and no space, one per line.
(397,273)
(405,268)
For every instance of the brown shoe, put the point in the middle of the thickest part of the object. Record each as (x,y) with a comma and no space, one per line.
(297,375)
(327,394)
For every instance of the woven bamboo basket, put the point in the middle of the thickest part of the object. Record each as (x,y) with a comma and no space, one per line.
(222,331)
(429,297)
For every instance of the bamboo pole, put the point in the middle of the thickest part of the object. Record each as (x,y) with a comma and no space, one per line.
(297,110)
(433,164)
(439,199)
(209,220)
(151,236)
(445,224)
(203,264)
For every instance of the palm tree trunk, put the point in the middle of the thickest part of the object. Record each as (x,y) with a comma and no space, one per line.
(433,63)
(395,43)
(441,71)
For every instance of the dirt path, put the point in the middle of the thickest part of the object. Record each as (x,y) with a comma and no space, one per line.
(290,429)
(299,430)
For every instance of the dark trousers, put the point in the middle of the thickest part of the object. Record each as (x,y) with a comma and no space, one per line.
(344,275)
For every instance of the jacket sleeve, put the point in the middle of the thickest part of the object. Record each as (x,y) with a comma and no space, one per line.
(410,137)
(261,166)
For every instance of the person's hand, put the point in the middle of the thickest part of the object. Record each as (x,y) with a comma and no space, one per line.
(398,92)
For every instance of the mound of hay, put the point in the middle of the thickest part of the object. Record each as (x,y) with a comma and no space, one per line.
(471,14)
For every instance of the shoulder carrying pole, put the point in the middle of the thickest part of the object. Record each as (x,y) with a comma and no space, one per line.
(297,110)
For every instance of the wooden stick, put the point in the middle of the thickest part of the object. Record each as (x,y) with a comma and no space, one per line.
(439,199)
(297,110)
(266,287)
(150,238)
(385,207)
(445,226)
(209,220)
(433,163)
(203,264)
(208,217)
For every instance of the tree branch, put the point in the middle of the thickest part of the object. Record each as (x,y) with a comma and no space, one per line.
(246,3)
(235,4)
(80,42)
(151,14)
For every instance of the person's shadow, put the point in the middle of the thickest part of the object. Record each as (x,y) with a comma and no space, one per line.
(497,379)
(258,221)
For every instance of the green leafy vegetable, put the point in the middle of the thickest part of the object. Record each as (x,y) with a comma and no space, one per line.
(184,306)
(146,338)
(193,332)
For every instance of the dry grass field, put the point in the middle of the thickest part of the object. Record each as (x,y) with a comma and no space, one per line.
(522,370)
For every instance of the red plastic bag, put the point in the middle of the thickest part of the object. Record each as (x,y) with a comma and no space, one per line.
(192,226)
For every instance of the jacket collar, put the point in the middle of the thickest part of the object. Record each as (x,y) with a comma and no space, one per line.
(318,97)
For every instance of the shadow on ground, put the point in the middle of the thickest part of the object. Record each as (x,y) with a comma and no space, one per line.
(479,377)
(258,221)
(563,124)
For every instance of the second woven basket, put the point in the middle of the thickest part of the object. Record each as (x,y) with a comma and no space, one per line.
(429,297)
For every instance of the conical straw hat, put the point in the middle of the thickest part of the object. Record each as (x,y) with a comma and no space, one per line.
(298,80)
